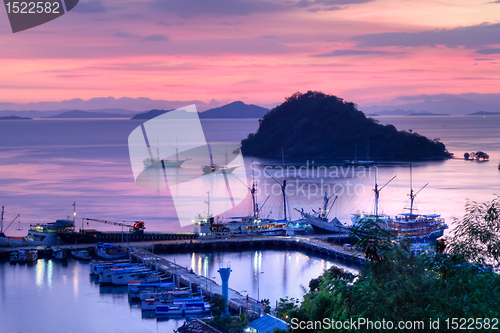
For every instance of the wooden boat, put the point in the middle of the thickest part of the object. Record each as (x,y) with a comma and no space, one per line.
(81,254)
(21,257)
(110,251)
(32,256)
(59,254)
(13,257)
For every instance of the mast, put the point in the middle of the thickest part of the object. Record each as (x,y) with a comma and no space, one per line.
(1,222)
(283,187)
(208,203)
(377,192)
(413,195)
(74,212)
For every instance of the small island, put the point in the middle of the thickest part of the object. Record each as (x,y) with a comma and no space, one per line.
(15,118)
(315,124)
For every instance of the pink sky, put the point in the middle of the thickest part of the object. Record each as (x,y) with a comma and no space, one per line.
(254,50)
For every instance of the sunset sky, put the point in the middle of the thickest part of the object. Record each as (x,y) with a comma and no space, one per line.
(254,50)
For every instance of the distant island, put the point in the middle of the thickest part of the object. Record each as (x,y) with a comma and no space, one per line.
(399,112)
(87,114)
(236,109)
(318,125)
(484,113)
(15,118)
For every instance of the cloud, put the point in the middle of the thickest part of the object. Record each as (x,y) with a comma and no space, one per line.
(122,34)
(470,37)
(482,59)
(338,53)
(93,6)
(155,38)
(488,51)
(192,8)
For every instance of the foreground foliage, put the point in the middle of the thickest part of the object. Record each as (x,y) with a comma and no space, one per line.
(396,285)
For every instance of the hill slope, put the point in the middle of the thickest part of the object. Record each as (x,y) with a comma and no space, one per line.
(319,125)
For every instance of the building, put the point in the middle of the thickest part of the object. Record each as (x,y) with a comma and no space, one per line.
(265,324)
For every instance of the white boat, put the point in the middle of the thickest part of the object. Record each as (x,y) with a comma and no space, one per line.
(162,163)
(184,309)
(110,251)
(107,275)
(21,257)
(59,254)
(39,234)
(357,162)
(32,256)
(135,288)
(81,254)
(98,267)
(144,275)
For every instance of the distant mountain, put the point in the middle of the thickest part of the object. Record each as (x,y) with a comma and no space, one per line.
(484,113)
(399,112)
(319,125)
(236,109)
(88,114)
(438,104)
(14,118)
(44,114)
(150,114)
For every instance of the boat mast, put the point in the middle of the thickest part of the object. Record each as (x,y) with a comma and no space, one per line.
(1,222)
(413,195)
(377,192)
(74,212)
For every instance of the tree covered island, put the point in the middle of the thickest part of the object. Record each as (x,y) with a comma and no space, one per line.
(315,124)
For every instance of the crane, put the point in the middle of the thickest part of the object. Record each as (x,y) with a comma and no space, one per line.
(136,226)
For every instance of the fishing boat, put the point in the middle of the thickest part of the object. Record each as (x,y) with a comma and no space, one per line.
(106,276)
(184,309)
(13,257)
(32,256)
(59,254)
(319,220)
(81,254)
(144,275)
(21,257)
(110,251)
(98,267)
(357,162)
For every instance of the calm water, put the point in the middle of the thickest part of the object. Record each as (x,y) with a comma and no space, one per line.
(50,296)
(45,165)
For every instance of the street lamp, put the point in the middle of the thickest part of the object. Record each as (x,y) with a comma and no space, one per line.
(258,286)
(211,286)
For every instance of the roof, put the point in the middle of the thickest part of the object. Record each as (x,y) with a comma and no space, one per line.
(267,323)
(197,326)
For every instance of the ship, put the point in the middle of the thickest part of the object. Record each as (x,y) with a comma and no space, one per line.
(419,228)
(38,234)
(162,163)
(319,220)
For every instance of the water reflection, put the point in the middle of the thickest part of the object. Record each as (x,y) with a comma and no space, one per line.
(296,269)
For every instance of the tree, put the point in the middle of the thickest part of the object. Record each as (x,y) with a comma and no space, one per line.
(480,155)
(476,237)
(466,155)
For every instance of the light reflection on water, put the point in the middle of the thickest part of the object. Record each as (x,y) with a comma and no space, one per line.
(285,271)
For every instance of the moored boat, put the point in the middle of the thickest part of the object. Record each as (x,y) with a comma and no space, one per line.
(81,254)
(59,254)
(32,256)
(13,257)
(21,257)
(110,251)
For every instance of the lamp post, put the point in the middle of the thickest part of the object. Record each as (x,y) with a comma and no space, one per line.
(213,277)
(258,286)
